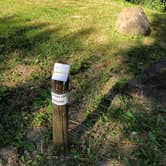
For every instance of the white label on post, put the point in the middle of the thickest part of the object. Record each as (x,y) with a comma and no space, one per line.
(59,99)
(61,72)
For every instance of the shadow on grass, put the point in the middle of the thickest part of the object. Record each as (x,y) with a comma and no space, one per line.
(17,108)
(94,116)
(142,124)
(140,57)
(14,35)
(19,104)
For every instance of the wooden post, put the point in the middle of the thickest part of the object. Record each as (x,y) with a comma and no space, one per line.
(60,84)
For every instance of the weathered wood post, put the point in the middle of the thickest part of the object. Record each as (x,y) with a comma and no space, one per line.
(60,84)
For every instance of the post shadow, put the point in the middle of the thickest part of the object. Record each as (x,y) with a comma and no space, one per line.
(93,117)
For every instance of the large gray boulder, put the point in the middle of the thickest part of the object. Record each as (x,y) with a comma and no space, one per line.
(132,21)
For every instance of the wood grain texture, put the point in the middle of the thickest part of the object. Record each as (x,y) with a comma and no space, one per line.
(60,119)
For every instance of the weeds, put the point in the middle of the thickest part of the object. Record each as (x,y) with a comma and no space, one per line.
(110,126)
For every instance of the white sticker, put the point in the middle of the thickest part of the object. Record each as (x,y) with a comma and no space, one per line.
(59,99)
(61,72)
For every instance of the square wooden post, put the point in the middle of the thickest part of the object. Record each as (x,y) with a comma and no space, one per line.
(60,108)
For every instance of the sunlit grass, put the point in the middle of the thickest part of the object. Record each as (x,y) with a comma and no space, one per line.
(34,34)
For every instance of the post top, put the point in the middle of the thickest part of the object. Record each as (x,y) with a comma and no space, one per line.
(60,71)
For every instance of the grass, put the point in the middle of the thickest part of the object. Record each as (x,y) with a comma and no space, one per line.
(33,35)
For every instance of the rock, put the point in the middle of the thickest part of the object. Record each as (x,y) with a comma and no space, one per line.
(35,135)
(132,21)
(150,84)
(108,163)
(8,156)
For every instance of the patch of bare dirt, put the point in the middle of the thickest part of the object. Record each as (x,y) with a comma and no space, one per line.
(18,74)
(151,84)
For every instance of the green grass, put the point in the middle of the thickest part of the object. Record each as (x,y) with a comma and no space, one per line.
(33,35)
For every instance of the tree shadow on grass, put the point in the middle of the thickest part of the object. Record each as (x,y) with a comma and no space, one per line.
(140,57)
(31,38)
(17,108)
(14,35)
(20,101)
(18,104)
(142,124)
